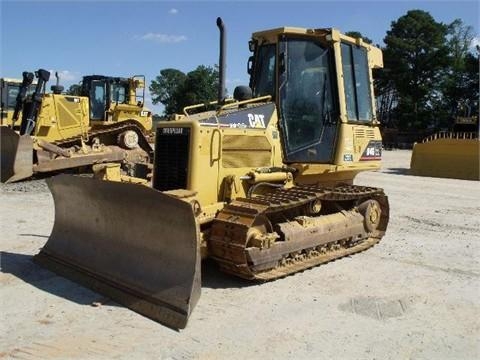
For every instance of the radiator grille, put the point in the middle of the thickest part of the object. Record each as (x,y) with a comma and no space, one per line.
(171,160)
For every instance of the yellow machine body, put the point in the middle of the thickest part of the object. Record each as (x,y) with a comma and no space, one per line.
(262,184)
(219,157)
(232,142)
(62,117)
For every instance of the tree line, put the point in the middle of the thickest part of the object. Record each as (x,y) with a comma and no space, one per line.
(430,72)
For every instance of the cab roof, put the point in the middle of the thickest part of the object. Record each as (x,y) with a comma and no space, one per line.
(325,34)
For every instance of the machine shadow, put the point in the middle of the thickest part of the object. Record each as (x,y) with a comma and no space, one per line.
(213,278)
(23,267)
(397,171)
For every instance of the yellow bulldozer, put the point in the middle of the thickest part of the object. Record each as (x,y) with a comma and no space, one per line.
(9,89)
(262,184)
(116,99)
(451,154)
(106,122)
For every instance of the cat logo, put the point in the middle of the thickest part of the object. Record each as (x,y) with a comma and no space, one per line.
(256,121)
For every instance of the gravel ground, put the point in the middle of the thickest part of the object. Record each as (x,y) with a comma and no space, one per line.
(413,296)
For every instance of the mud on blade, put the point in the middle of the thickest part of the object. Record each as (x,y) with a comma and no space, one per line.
(129,242)
(16,155)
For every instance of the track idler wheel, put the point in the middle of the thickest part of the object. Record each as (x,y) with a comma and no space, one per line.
(371,212)
(128,139)
(261,233)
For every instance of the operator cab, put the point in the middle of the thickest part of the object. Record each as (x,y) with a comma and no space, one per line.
(103,92)
(301,70)
(9,89)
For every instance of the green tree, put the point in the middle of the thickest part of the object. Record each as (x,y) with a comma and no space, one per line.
(165,87)
(74,90)
(415,55)
(472,84)
(460,82)
(386,96)
(175,90)
(200,86)
(357,34)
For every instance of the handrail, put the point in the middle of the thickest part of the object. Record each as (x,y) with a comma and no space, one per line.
(249,101)
(196,106)
(231,102)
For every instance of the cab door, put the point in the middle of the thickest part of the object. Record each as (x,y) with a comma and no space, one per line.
(98,100)
(306,100)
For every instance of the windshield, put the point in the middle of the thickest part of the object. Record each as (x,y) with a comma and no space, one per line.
(264,73)
(306,101)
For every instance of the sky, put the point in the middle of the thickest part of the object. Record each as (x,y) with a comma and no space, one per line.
(126,38)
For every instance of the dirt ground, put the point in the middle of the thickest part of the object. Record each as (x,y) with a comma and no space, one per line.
(416,295)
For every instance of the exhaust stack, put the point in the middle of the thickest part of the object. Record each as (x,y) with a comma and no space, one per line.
(221,62)
(29,118)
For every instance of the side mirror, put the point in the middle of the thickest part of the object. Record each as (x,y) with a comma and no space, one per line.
(252,44)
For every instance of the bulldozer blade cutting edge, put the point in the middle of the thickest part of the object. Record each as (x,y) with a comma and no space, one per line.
(129,242)
(16,155)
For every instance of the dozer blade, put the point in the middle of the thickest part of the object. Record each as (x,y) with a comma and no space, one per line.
(447,158)
(129,242)
(16,155)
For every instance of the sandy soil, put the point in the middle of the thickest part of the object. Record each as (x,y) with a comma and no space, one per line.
(413,296)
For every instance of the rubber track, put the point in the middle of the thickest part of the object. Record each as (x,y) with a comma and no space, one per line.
(229,231)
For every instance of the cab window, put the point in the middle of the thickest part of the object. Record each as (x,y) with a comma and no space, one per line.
(12,96)
(264,73)
(97,100)
(356,82)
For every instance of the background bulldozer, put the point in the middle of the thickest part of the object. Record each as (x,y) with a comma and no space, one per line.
(451,154)
(107,122)
(9,89)
(263,184)
(116,99)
